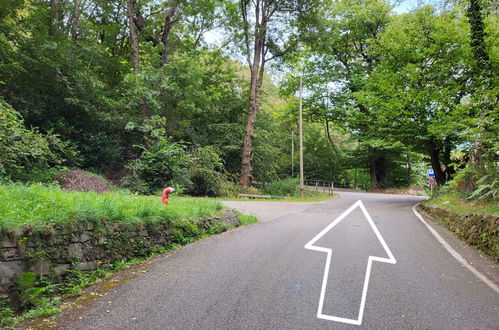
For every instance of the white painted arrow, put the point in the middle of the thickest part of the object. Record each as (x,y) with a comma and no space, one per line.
(310,245)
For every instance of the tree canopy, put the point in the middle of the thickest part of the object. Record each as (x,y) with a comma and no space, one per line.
(203,94)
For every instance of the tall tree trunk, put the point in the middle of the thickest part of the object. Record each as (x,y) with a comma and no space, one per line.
(381,171)
(75,19)
(483,64)
(165,32)
(483,78)
(257,69)
(372,173)
(165,59)
(246,168)
(330,138)
(435,163)
(409,170)
(131,7)
(449,169)
(58,16)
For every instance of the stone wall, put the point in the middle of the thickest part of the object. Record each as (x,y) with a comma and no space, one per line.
(479,230)
(86,247)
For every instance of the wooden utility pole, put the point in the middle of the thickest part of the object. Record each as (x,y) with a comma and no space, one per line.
(292,153)
(300,119)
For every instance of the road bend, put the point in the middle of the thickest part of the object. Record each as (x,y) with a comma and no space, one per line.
(262,277)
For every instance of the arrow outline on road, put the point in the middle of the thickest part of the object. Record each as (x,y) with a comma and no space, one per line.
(390,260)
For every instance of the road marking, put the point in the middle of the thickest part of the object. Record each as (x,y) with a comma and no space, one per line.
(390,260)
(455,254)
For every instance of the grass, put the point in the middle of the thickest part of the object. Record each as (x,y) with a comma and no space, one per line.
(451,201)
(246,220)
(45,206)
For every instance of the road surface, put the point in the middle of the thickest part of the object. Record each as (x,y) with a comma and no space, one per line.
(262,277)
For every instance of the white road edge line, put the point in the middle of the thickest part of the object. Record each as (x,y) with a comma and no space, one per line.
(310,246)
(455,254)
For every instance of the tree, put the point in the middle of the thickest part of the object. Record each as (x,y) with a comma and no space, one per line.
(415,92)
(264,30)
(338,42)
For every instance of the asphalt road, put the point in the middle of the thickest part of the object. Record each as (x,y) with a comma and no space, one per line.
(262,277)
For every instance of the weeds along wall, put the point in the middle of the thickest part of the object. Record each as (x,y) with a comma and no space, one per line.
(479,230)
(87,246)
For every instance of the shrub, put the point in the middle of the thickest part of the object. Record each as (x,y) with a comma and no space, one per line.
(284,187)
(477,183)
(206,174)
(163,164)
(25,152)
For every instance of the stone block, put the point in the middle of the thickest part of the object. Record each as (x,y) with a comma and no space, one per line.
(10,270)
(9,254)
(89,265)
(61,268)
(82,238)
(230,217)
(7,242)
(75,250)
(41,267)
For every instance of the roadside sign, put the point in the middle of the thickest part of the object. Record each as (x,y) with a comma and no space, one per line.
(431,174)
(431,181)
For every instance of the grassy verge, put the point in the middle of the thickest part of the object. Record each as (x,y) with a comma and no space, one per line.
(246,220)
(40,207)
(451,201)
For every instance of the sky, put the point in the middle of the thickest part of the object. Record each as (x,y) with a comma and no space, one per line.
(404,6)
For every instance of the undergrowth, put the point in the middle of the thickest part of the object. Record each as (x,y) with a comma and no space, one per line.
(454,201)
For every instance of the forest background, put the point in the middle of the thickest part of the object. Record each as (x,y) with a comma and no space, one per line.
(202,95)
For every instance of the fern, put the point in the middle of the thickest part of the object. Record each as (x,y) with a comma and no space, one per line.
(485,191)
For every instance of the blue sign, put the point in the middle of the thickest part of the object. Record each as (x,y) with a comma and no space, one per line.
(431,173)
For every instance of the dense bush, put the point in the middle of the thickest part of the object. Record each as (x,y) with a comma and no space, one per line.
(477,183)
(206,174)
(284,187)
(27,155)
(164,163)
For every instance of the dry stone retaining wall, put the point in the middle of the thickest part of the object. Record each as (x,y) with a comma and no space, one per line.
(479,230)
(87,246)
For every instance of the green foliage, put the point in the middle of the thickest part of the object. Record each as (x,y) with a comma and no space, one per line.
(285,187)
(475,183)
(159,166)
(485,190)
(246,220)
(6,313)
(27,155)
(206,174)
(30,293)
